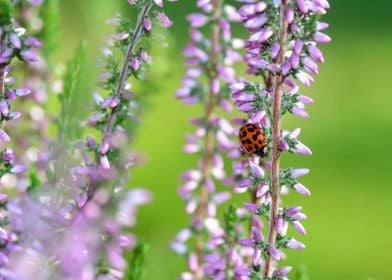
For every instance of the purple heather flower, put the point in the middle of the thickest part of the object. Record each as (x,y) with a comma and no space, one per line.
(257,235)
(18,169)
(147,24)
(242,271)
(164,20)
(301,189)
(201,50)
(33,42)
(261,36)
(299,227)
(283,271)
(305,99)
(257,256)
(304,78)
(273,252)
(15,41)
(262,190)
(4,136)
(251,207)
(135,64)
(248,242)
(294,244)
(295,173)
(35,2)
(3,197)
(159,3)
(299,112)
(4,55)
(316,54)
(296,61)
(281,226)
(256,170)
(197,20)
(321,38)
(245,183)
(255,22)
(302,149)
(283,146)
(121,36)
(293,210)
(22,91)
(29,56)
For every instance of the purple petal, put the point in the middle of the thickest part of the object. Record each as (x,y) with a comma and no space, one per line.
(294,244)
(4,136)
(251,207)
(22,91)
(283,271)
(16,169)
(274,253)
(299,228)
(244,183)
(295,173)
(301,189)
(164,20)
(256,170)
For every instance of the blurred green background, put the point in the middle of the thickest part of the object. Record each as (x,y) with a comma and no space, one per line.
(350,129)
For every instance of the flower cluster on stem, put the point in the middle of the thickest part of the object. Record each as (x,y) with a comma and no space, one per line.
(209,60)
(14,43)
(86,207)
(282,49)
(106,162)
(36,76)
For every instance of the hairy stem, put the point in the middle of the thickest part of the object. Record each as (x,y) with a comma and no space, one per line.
(123,78)
(278,85)
(126,65)
(209,138)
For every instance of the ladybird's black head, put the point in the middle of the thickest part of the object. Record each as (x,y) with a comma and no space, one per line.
(262,152)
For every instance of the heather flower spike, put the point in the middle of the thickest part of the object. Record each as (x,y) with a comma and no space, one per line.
(14,43)
(106,175)
(282,50)
(209,57)
(84,206)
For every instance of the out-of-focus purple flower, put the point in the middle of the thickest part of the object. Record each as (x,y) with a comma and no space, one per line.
(29,56)
(294,244)
(283,271)
(197,20)
(301,189)
(164,20)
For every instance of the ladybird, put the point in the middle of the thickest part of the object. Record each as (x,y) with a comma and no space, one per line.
(253,140)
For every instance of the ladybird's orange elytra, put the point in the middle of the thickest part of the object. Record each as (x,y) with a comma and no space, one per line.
(253,140)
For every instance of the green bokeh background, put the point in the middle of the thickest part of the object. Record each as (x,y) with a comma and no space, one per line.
(350,132)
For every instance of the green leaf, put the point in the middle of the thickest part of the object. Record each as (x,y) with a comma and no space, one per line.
(67,123)
(138,262)
(5,13)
